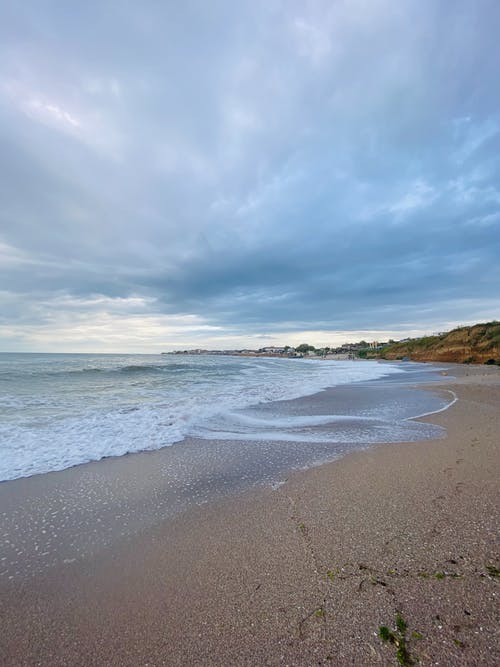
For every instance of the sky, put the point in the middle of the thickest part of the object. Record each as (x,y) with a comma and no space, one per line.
(239,174)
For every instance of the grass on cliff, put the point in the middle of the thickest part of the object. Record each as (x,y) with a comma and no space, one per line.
(479,343)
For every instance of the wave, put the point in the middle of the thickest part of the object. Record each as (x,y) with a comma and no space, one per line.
(142,368)
(91,370)
(291,421)
(85,370)
(136,404)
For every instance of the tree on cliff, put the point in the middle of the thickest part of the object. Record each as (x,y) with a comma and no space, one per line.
(304,348)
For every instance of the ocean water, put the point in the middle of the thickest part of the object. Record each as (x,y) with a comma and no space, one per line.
(217,426)
(60,410)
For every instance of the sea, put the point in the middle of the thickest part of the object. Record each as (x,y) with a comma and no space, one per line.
(161,434)
(62,410)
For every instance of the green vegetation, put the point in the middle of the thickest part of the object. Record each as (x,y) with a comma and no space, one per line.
(304,348)
(397,637)
(493,571)
(440,575)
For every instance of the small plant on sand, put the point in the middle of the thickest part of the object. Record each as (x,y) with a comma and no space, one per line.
(493,571)
(440,575)
(398,639)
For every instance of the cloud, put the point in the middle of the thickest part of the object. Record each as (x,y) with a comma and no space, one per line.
(266,168)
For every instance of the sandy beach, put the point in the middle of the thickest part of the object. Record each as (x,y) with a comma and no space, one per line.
(302,574)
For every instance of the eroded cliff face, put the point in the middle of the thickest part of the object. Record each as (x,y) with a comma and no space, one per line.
(476,344)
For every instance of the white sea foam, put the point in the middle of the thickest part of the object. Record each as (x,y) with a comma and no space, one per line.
(57,411)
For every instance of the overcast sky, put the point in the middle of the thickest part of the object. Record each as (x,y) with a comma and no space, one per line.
(177,174)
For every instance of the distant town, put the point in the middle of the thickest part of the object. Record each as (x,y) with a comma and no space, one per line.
(477,343)
(346,351)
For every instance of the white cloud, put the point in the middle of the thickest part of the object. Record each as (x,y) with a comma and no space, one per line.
(101,324)
(314,42)
(419,195)
(463,190)
(241,118)
(102,86)
(40,107)
(471,135)
(50,113)
(69,113)
(412,197)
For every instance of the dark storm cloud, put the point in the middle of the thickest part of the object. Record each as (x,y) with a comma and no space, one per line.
(261,166)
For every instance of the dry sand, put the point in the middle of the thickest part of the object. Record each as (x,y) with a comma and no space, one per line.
(301,575)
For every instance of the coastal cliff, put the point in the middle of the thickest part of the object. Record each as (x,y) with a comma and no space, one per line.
(479,343)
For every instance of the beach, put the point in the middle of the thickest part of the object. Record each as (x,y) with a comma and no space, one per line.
(298,573)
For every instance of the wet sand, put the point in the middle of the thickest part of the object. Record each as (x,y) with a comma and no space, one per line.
(303,574)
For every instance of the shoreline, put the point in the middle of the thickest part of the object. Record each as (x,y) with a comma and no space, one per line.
(54,518)
(317,393)
(302,574)
(112,408)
